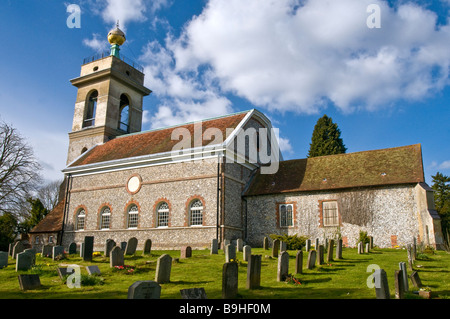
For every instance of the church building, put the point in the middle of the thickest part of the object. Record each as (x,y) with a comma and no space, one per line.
(219,178)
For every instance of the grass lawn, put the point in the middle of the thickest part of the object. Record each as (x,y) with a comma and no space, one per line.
(340,279)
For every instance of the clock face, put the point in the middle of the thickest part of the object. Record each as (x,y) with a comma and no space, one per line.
(134,184)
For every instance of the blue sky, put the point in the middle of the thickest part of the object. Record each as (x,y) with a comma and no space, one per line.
(293,60)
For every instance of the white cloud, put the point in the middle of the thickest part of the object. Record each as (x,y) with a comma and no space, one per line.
(125,11)
(97,43)
(445,165)
(291,55)
(285,145)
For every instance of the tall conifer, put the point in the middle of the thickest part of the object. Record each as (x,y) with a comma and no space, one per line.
(326,138)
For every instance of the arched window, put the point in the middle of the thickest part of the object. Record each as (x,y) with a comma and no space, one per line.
(133,216)
(105,218)
(81,215)
(163,214)
(124,114)
(50,239)
(196,213)
(89,117)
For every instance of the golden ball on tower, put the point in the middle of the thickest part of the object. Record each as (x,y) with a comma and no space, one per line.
(116,36)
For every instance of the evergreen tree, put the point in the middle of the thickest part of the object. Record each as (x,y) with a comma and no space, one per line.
(8,230)
(36,214)
(326,138)
(441,187)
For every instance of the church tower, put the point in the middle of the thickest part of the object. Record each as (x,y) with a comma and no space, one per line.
(109,99)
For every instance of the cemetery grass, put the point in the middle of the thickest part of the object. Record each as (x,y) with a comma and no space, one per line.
(338,279)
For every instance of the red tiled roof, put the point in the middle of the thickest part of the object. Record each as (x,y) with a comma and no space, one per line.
(400,165)
(153,142)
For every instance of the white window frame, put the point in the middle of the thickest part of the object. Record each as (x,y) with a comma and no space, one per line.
(330,213)
(105,218)
(132,216)
(81,214)
(196,213)
(163,214)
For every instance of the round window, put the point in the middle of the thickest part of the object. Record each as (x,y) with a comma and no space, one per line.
(134,184)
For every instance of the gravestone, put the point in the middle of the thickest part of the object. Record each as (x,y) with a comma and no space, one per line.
(360,248)
(88,248)
(410,257)
(320,254)
(47,251)
(72,248)
(230,253)
(415,279)
(225,243)
(308,244)
(275,248)
(3,259)
(62,272)
(240,244)
(229,280)
(109,245)
(247,251)
(367,247)
(29,282)
(58,252)
(311,259)
(130,249)
(399,285)
(283,266)
(93,270)
(402,266)
(148,247)
(299,262)
(116,257)
(266,243)
(17,249)
(186,252)
(283,246)
(145,289)
(330,250)
(82,250)
(32,252)
(193,293)
(381,284)
(371,242)
(316,244)
(23,261)
(10,249)
(253,272)
(339,249)
(214,246)
(123,245)
(414,249)
(163,269)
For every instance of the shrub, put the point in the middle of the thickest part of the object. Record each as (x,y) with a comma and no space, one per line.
(363,237)
(91,280)
(293,242)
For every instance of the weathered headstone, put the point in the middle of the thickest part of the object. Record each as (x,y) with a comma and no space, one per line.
(311,259)
(283,266)
(17,249)
(283,246)
(399,285)
(116,257)
(371,242)
(239,244)
(3,259)
(402,266)
(130,249)
(308,244)
(93,270)
(367,247)
(360,248)
(148,247)
(32,252)
(186,252)
(225,243)
(23,261)
(193,293)
(275,248)
(10,249)
(229,280)
(339,249)
(146,289)
(253,272)
(109,245)
(247,251)
(299,262)
(381,284)
(29,282)
(415,279)
(330,250)
(414,249)
(82,250)
(317,243)
(214,246)
(410,257)
(123,245)
(266,243)
(163,269)
(88,248)
(72,248)
(58,252)
(63,272)
(230,253)
(320,254)
(47,251)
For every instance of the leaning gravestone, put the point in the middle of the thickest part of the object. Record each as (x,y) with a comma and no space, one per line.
(283,266)
(229,280)
(23,261)
(253,272)
(186,252)
(148,247)
(109,245)
(88,248)
(130,249)
(146,289)
(230,253)
(275,248)
(193,293)
(163,269)
(402,266)
(266,243)
(381,284)
(299,262)
(93,270)
(72,248)
(399,285)
(3,259)
(116,257)
(29,282)
(17,249)
(416,279)
(311,259)
(214,246)
(62,273)
(247,251)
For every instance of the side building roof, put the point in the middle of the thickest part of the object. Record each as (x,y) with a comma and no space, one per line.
(399,165)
